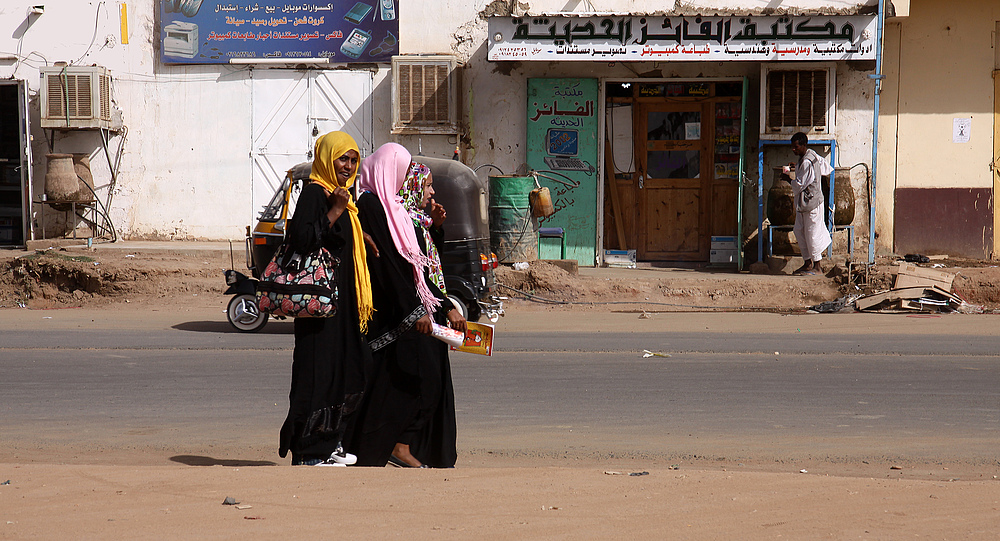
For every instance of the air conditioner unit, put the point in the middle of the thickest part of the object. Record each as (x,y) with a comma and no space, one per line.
(797,98)
(77,97)
(425,95)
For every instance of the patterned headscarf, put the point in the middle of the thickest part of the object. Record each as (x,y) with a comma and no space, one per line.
(383,174)
(412,193)
(329,147)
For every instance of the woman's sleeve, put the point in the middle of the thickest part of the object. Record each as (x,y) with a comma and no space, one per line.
(310,228)
(437,235)
(391,274)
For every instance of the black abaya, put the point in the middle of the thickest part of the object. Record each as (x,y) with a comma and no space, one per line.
(331,356)
(410,398)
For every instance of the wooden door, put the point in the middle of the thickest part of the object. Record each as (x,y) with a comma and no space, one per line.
(674,156)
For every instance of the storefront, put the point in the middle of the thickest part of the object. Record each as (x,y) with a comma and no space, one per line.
(664,162)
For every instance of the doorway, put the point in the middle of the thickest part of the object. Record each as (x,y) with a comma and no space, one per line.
(291,109)
(684,189)
(672,192)
(15,159)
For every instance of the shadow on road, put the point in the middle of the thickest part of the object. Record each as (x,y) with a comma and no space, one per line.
(194,460)
(272,327)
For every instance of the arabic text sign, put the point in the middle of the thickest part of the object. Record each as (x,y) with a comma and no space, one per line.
(196,32)
(617,38)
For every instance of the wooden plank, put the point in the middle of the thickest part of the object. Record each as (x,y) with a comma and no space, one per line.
(616,206)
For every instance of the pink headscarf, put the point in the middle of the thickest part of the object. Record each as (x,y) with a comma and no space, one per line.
(383,173)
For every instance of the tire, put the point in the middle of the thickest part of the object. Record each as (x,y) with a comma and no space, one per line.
(244,315)
(470,314)
(462,308)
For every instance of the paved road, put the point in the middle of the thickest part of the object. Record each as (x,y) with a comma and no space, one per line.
(193,386)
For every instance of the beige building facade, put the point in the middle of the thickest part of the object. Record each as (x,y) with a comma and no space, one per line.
(936,184)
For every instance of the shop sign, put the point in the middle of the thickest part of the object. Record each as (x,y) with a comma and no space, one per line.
(196,32)
(649,38)
(561,139)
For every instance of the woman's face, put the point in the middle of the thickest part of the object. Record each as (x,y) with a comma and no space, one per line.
(428,190)
(344,166)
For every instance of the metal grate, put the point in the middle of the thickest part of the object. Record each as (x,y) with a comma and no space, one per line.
(424,92)
(797,99)
(423,96)
(70,93)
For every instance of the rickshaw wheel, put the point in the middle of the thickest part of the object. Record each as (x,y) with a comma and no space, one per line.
(244,315)
(463,308)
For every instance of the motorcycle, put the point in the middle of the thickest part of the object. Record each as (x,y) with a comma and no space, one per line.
(260,245)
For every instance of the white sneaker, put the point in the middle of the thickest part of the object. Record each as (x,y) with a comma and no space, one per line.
(341,457)
(330,462)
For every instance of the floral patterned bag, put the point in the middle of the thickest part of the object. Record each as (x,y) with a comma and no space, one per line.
(294,285)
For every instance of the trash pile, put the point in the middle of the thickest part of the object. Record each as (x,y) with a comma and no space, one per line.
(915,289)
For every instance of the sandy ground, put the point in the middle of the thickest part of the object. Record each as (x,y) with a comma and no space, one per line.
(137,493)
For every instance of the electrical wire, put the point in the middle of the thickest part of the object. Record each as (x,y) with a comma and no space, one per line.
(97,20)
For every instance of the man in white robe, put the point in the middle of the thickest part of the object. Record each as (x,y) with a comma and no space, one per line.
(810,228)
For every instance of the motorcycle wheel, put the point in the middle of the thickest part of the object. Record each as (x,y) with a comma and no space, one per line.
(244,315)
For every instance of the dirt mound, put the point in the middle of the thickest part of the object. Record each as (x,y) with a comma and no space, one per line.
(658,290)
(57,278)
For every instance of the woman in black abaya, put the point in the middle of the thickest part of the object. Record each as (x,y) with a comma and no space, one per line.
(331,356)
(409,414)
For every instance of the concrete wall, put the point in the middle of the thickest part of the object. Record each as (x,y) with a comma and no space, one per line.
(938,67)
(185,168)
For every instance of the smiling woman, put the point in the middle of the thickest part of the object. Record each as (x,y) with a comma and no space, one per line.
(330,356)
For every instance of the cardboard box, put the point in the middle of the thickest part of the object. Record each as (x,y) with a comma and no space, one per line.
(909,275)
(723,243)
(923,299)
(619,258)
(722,256)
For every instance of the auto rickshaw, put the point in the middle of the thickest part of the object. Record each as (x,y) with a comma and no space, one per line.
(466,259)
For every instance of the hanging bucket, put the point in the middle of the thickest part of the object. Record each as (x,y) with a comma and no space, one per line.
(513,232)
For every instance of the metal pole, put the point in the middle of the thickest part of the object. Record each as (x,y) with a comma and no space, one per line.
(880,16)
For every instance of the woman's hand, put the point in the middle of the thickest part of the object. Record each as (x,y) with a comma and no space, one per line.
(424,326)
(337,199)
(456,321)
(438,214)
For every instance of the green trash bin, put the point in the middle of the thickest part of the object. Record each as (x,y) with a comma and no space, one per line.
(513,231)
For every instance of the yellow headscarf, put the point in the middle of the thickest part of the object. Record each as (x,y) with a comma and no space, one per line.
(329,147)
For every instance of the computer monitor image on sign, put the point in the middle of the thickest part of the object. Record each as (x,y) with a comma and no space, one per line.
(562,146)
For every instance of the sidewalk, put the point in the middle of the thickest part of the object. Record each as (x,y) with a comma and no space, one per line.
(197,266)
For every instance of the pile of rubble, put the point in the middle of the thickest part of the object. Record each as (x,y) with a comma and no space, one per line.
(915,289)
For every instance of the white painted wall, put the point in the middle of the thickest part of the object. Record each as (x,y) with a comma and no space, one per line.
(185,167)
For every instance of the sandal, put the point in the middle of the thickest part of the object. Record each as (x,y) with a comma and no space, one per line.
(400,464)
